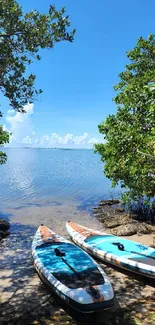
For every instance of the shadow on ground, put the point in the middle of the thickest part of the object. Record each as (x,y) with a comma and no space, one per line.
(26,301)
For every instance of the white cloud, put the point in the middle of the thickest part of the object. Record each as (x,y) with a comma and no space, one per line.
(20,124)
(11,111)
(4,127)
(94,140)
(23,134)
(68,140)
(27,140)
(82,139)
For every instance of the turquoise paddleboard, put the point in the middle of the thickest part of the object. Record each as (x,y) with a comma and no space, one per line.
(119,251)
(70,272)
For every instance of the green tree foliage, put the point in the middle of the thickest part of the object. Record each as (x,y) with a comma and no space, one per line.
(129,148)
(21,38)
(4,138)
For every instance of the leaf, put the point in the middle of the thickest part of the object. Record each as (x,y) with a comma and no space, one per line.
(128,151)
(137,321)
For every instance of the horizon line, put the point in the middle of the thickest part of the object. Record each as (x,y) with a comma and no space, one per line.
(53,148)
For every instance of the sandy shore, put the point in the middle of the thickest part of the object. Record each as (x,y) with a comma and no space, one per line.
(24,297)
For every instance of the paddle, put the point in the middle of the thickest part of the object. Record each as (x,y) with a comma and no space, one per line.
(122,248)
(62,254)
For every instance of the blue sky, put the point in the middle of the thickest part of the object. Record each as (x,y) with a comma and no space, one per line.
(78,78)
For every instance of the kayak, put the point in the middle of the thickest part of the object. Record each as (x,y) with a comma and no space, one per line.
(118,251)
(70,272)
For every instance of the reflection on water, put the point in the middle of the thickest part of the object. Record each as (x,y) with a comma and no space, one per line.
(40,177)
(19,174)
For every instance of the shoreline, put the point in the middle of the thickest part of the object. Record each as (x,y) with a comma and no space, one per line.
(22,291)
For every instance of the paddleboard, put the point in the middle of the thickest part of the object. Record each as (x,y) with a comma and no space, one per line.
(70,272)
(119,251)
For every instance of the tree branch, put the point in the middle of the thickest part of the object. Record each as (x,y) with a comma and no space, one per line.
(145,154)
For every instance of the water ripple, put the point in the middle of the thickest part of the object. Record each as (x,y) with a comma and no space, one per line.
(33,176)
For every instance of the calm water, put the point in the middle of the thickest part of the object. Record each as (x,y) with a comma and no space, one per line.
(44,177)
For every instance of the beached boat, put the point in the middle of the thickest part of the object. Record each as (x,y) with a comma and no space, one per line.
(70,272)
(119,251)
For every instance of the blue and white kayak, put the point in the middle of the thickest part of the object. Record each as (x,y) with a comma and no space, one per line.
(70,272)
(119,251)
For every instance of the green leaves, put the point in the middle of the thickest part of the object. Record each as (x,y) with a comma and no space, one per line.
(129,150)
(4,138)
(21,38)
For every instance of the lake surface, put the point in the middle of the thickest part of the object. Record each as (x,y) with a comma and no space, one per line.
(43,177)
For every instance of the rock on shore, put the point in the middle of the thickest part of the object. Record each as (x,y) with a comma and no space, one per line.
(119,222)
(4,226)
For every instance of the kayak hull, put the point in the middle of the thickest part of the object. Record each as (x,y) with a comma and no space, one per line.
(57,273)
(135,257)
